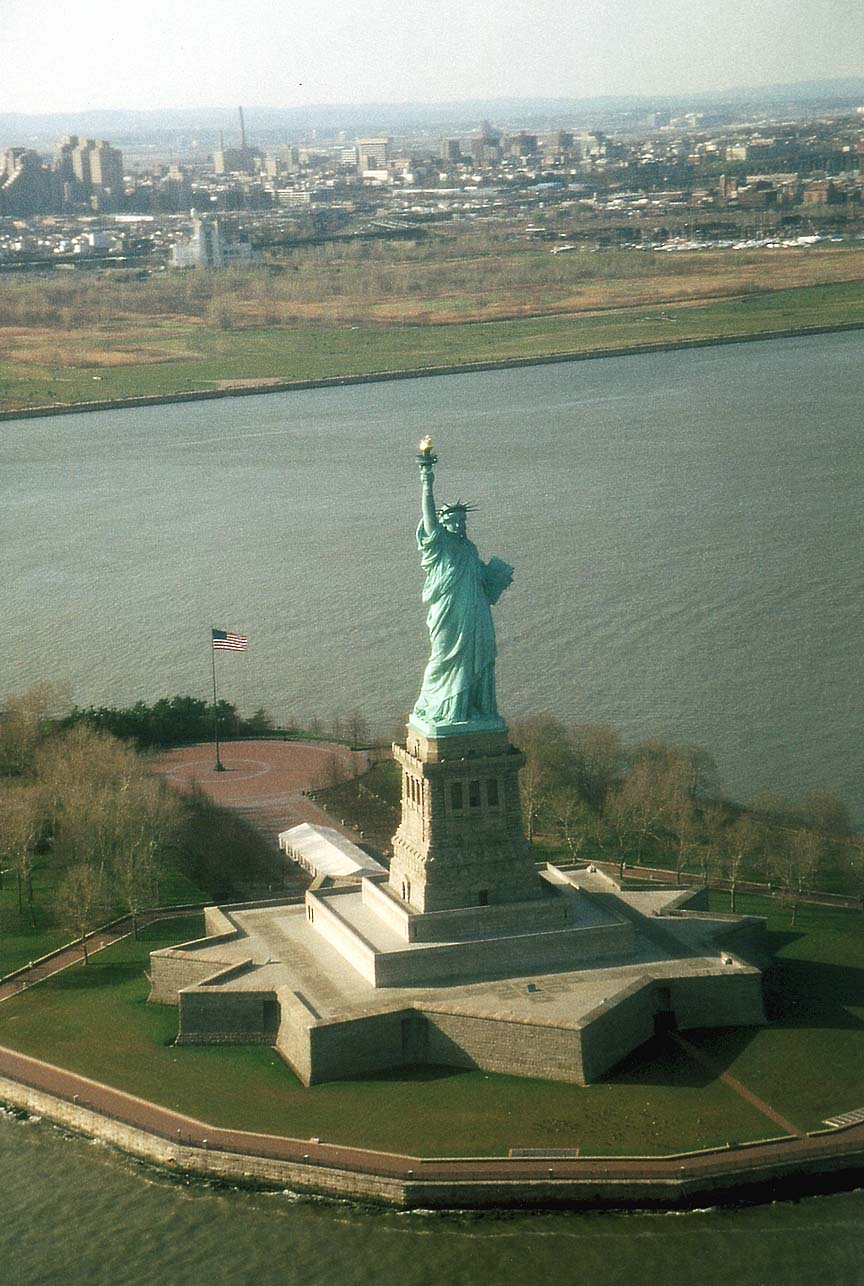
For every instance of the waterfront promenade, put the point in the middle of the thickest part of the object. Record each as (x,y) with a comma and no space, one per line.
(180,1142)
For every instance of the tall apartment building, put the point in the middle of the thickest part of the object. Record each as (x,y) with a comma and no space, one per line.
(26,186)
(522,144)
(87,170)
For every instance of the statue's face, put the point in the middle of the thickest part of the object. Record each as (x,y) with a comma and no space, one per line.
(454,522)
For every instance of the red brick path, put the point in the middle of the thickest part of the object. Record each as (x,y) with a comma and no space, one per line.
(265,780)
(189,1132)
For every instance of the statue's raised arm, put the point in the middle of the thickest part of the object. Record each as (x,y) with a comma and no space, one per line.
(426,459)
(459,683)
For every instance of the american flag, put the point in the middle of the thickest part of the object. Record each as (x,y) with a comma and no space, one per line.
(225,641)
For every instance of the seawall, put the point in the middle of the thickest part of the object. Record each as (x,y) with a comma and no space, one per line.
(420,372)
(763,1170)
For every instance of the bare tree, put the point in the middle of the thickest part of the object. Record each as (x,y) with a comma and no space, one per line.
(713,819)
(23,723)
(81,901)
(796,859)
(146,829)
(824,812)
(22,825)
(738,846)
(684,826)
(337,727)
(335,772)
(109,812)
(544,742)
(855,850)
(596,761)
(644,806)
(572,819)
(358,729)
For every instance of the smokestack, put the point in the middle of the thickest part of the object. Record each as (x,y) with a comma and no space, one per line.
(221,141)
(242,129)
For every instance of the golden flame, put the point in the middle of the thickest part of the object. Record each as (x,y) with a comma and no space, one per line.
(426,443)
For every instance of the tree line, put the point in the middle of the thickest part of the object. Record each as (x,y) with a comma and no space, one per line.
(184,720)
(656,803)
(170,721)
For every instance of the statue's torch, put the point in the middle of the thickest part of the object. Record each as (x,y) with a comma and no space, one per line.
(426,457)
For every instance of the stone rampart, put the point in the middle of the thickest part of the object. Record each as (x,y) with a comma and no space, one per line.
(228,1018)
(494,957)
(175,968)
(512,1048)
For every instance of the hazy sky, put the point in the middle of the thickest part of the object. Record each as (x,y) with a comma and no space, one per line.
(285,53)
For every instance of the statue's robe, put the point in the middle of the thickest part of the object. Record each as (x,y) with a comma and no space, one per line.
(459,683)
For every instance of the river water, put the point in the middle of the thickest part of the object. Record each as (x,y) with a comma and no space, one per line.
(688,548)
(76,1212)
(685,527)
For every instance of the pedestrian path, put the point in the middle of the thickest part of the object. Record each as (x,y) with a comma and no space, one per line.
(741,1090)
(73,953)
(726,1165)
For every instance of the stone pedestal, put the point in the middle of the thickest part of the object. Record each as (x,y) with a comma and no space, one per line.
(460,842)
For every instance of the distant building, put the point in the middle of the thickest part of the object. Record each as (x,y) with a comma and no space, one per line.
(88,171)
(451,151)
(26,184)
(207,248)
(237,160)
(486,149)
(287,163)
(522,144)
(373,157)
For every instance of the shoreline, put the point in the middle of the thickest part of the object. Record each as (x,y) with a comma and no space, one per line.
(269,385)
(761,1171)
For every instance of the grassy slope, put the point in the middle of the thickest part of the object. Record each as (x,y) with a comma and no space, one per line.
(195,356)
(807,1065)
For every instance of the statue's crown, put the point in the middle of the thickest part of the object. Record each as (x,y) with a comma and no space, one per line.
(457,507)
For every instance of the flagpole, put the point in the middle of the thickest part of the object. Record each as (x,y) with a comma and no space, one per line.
(218,766)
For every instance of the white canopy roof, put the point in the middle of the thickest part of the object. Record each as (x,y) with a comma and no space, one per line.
(324,850)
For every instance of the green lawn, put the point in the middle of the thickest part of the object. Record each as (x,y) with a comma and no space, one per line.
(19,940)
(198,357)
(809,1062)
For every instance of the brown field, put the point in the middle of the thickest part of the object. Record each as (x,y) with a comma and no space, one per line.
(347,309)
(359,285)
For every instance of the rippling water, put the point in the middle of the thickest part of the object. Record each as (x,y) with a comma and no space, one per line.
(686,531)
(76,1212)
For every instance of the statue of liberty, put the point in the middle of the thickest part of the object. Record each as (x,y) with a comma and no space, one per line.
(459,683)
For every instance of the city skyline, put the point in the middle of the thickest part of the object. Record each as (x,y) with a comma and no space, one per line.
(210,53)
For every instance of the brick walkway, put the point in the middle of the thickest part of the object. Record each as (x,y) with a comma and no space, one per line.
(74,953)
(265,781)
(188,1132)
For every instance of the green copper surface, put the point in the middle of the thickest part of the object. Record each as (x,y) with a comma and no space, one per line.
(458,692)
